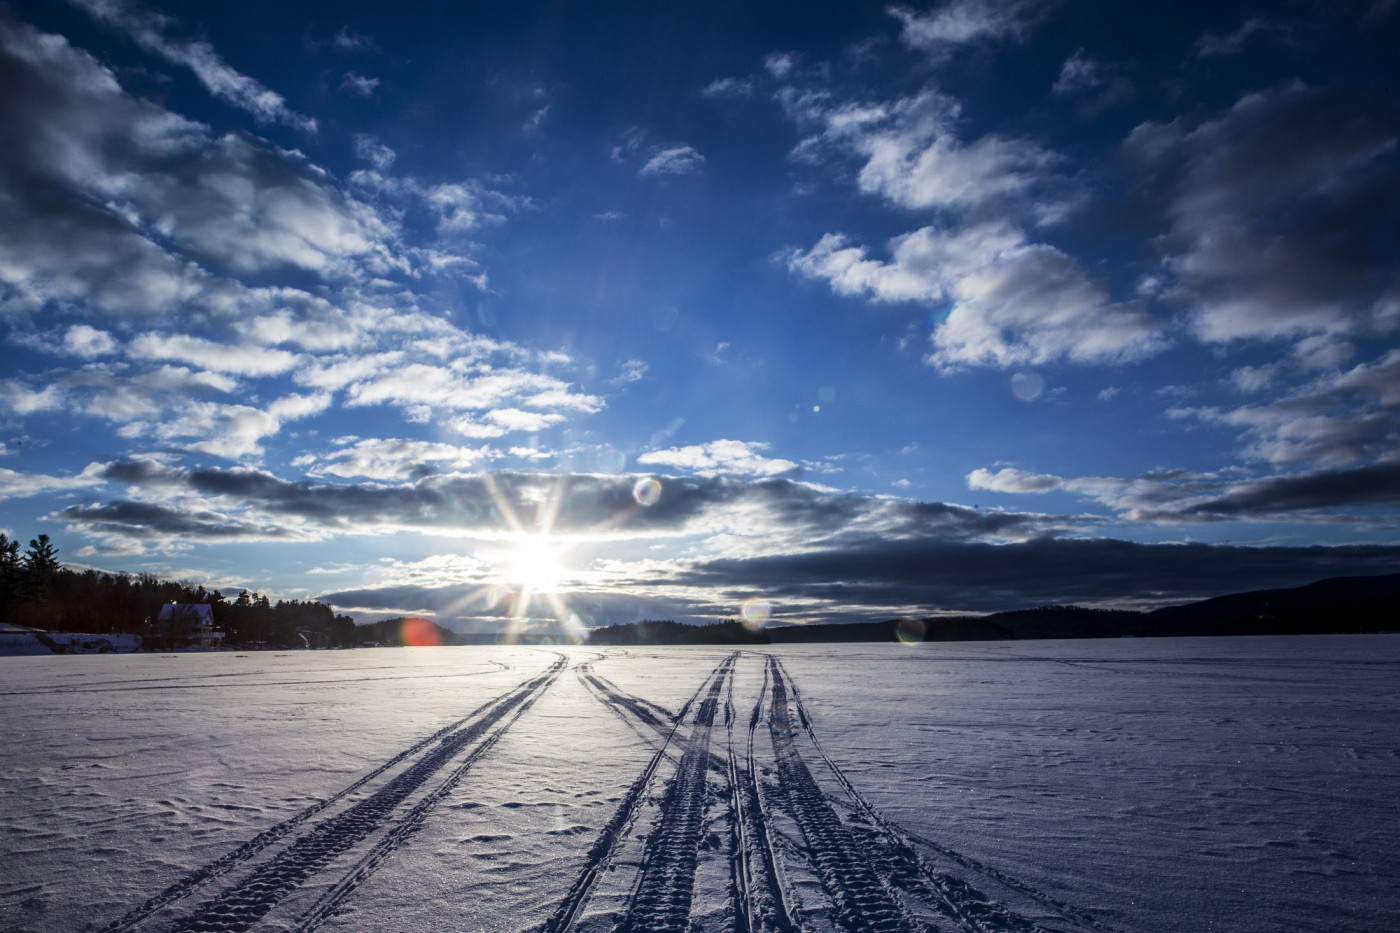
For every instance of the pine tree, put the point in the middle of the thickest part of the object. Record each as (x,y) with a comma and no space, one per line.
(41,562)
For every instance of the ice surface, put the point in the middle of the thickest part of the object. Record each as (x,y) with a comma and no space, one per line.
(1134,784)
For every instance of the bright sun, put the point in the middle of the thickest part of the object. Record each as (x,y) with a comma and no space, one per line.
(535,564)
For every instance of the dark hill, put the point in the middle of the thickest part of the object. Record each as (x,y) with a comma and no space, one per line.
(1340,604)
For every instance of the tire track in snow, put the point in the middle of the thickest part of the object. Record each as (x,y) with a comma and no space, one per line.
(860,899)
(239,907)
(601,851)
(225,863)
(969,906)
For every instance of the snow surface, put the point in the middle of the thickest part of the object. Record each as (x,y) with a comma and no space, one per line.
(1135,784)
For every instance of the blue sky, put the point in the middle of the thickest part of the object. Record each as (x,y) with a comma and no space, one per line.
(836,311)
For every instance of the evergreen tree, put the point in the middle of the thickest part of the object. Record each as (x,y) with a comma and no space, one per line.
(41,561)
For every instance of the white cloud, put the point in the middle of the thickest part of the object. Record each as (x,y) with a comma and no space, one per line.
(631,371)
(398,459)
(1254,378)
(513,419)
(233,431)
(374,152)
(348,41)
(723,457)
(149,30)
(15,485)
(965,22)
(915,159)
(728,87)
(217,357)
(672,160)
(1337,420)
(913,170)
(120,205)
(459,387)
(1322,351)
(1009,301)
(88,342)
(123,394)
(779,64)
(21,399)
(457,205)
(1078,73)
(1013,480)
(359,84)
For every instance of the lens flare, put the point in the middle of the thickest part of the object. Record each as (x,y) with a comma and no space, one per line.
(647,491)
(910,631)
(755,612)
(419,633)
(1027,386)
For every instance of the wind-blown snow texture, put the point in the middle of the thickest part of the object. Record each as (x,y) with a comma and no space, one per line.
(1239,784)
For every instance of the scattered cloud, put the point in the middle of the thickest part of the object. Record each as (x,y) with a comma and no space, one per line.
(16,485)
(967,22)
(248,360)
(1213,45)
(716,458)
(150,30)
(1009,302)
(779,64)
(1182,497)
(358,84)
(1270,208)
(1097,85)
(672,160)
(348,41)
(88,342)
(728,87)
(631,371)
(1339,418)
(397,459)
(374,152)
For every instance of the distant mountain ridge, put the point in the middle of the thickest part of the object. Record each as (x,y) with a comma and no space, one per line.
(1332,606)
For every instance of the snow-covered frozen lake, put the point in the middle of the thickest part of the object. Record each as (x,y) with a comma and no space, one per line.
(1174,784)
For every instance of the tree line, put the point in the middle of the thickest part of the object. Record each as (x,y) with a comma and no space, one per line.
(37,591)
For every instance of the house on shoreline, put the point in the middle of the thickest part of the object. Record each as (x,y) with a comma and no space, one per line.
(189,625)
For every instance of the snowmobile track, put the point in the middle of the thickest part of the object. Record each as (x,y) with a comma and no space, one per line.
(661,901)
(896,852)
(859,895)
(227,862)
(240,906)
(649,713)
(761,904)
(601,851)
